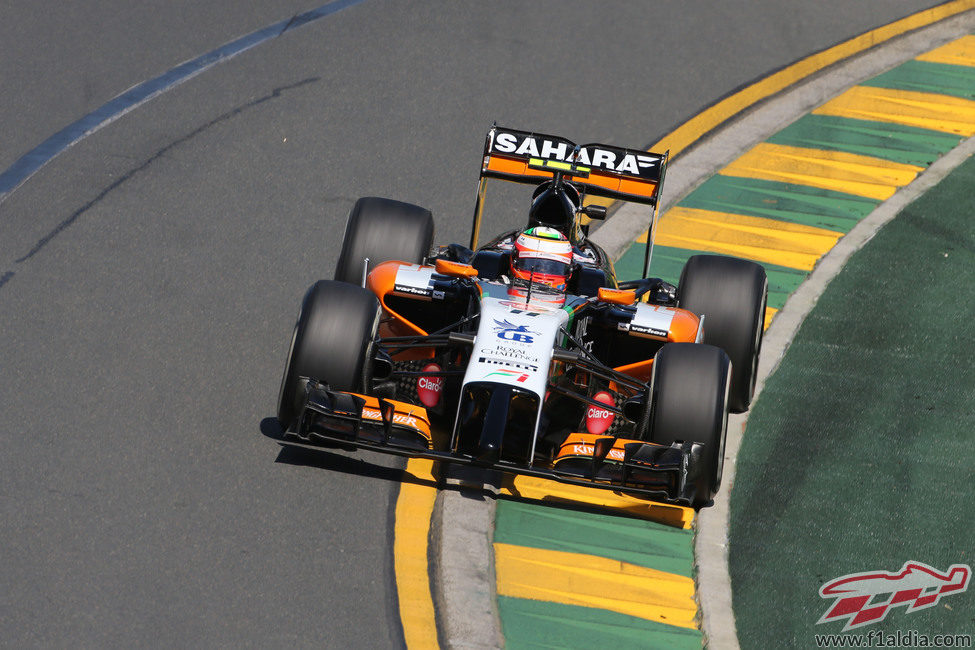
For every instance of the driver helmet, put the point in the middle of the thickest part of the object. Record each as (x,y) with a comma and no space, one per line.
(543,256)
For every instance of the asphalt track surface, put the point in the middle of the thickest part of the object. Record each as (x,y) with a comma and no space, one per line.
(150,276)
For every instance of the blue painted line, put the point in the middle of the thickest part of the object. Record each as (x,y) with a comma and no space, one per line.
(28,164)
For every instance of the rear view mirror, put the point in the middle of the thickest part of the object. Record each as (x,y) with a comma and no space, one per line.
(597,212)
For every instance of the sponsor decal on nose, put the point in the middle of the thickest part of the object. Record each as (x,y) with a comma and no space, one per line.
(597,419)
(429,389)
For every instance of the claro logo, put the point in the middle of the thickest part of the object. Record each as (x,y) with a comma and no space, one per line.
(599,420)
(429,389)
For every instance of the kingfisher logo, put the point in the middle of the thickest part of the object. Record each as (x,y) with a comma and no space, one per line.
(511,332)
(589,450)
(865,598)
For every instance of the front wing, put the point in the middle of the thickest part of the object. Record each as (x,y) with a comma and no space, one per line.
(632,467)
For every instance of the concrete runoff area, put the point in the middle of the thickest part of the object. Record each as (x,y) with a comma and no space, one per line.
(858,454)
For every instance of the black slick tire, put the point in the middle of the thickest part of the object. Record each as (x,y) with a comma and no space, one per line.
(381,230)
(732,295)
(332,343)
(690,404)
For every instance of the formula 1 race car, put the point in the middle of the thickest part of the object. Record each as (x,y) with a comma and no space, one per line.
(526,354)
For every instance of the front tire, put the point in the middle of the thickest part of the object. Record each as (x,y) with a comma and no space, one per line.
(690,404)
(383,230)
(732,295)
(332,343)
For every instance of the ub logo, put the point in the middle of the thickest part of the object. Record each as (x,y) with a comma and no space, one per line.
(511,332)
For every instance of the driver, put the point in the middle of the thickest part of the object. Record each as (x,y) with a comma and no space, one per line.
(542,255)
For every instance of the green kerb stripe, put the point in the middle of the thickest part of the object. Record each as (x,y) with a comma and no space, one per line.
(802,204)
(668,262)
(894,142)
(928,77)
(537,624)
(635,541)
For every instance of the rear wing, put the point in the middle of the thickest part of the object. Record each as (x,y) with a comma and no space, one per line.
(595,169)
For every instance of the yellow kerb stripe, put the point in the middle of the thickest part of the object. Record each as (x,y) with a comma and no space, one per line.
(414,507)
(832,170)
(593,581)
(793,245)
(960,52)
(924,110)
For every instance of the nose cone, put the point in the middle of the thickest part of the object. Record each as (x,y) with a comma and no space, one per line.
(489,444)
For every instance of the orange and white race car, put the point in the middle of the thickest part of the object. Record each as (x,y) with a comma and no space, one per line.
(526,354)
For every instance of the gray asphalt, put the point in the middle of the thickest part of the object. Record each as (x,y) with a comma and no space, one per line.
(153,273)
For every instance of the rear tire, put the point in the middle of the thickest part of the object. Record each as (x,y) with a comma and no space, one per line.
(690,404)
(332,343)
(732,295)
(383,230)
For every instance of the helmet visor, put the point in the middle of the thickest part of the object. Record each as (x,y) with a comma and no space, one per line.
(542,266)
